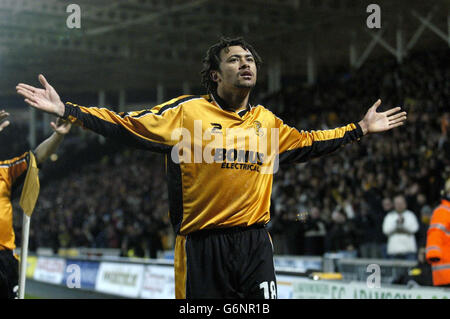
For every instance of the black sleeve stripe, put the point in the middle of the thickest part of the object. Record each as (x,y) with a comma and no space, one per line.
(319,148)
(114,131)
(163,109)
(178,102)
(90,121)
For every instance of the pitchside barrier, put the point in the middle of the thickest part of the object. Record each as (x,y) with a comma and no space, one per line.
(297,278)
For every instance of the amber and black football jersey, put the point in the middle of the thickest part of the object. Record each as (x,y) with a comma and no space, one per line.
(10,172)
(219,162)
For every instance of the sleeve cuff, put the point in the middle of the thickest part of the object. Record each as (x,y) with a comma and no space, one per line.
(433,254)
(71,113)
(66,111)
(359,132)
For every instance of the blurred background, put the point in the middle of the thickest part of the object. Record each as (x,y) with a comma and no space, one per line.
(323,67)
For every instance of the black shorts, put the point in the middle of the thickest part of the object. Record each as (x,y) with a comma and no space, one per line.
(227,263)
(9,275)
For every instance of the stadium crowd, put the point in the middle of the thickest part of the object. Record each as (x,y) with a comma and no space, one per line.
(331,204)
(349,193)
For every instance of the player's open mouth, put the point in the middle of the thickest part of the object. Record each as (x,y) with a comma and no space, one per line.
(246,74)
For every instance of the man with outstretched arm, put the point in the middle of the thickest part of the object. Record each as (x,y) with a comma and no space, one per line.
(12,174)
(219,189)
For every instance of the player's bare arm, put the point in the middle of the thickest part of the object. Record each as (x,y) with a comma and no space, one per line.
(49,146)
(3,122)
(375,122)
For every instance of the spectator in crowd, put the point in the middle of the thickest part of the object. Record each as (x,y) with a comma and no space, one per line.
(292,230)
(367,224)
(314,234)
(400,225)
(424,223)
(387,206)
(133,243)
(342,236)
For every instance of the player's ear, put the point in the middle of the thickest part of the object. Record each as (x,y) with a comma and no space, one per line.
(214,76)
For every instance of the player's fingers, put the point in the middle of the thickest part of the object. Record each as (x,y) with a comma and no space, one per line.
(43,81)
(25,93)
(393,111)
(32,103)
(376,104)
(396,124)
(397,116)
(26,87)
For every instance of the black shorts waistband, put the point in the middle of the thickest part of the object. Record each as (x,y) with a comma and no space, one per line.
(225,230)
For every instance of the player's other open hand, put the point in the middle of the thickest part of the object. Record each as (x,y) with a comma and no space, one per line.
(45,99)
(61,127)
(375,122)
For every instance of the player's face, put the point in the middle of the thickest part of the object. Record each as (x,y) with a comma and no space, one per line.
(237,68)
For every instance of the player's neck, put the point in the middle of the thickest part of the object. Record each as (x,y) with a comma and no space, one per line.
(234,99)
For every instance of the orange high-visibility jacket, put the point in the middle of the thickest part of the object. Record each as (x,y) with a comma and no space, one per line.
(438,244)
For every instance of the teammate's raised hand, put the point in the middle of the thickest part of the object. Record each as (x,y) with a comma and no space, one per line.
(375,122)
(3,123)
(60,126)
(45,99)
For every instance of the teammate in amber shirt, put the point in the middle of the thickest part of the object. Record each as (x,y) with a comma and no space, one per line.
(12,174)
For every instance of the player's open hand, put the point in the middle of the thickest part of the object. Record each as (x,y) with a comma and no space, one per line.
(375,122)
(61,126)
(3,123)
(45,99)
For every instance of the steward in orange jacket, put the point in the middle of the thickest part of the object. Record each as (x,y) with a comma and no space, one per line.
(438,241)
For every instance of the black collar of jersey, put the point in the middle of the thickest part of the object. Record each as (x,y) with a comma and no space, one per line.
(223,104)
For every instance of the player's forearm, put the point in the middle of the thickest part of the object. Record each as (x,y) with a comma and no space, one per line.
(128,130)
(319,143)
(99,120)
(48,147)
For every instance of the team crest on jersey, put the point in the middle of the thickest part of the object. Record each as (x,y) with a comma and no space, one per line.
(257,126)
(216,128)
